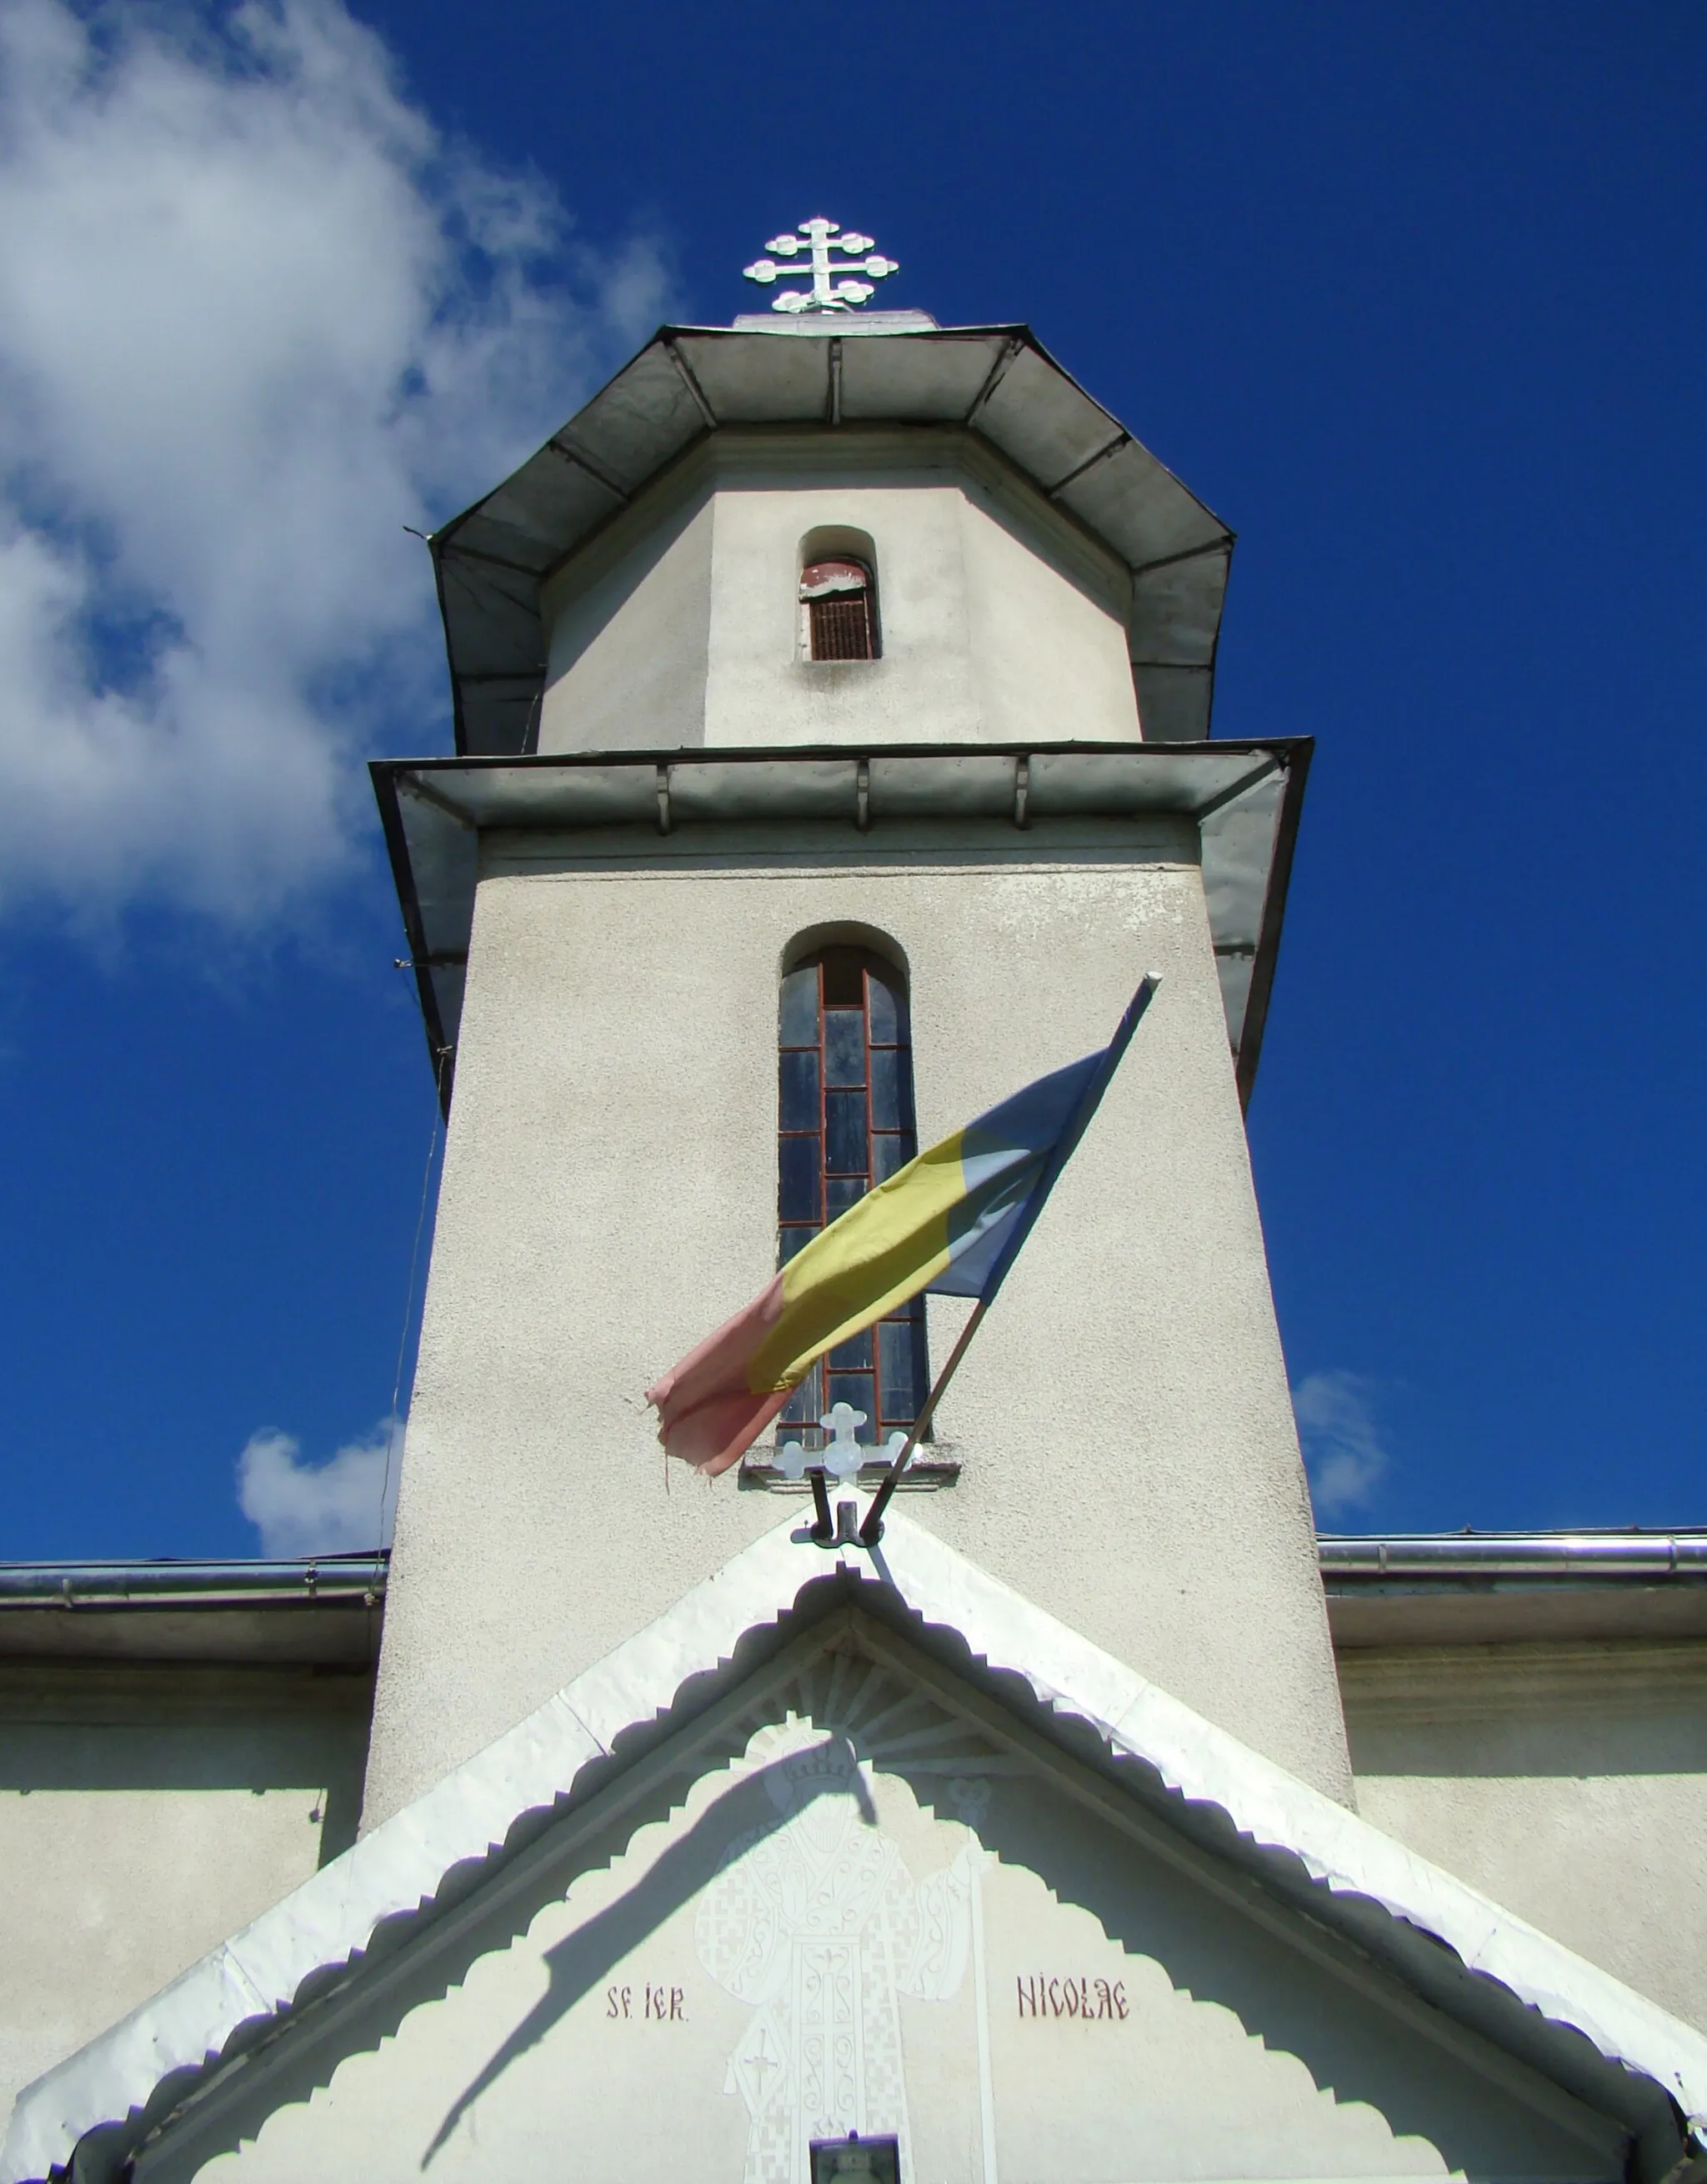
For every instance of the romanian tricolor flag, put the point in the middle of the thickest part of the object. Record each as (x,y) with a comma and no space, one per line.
(950,1222)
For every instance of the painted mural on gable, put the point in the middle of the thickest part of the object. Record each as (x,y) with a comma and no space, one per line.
(866,1912)
(820,1926)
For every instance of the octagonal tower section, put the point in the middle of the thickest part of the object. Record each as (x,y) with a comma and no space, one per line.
(991,616)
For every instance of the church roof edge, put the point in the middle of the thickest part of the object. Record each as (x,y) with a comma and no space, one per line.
(1462,1953)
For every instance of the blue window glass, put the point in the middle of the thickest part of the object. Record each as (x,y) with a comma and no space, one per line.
(846,1135)
(901,1351)
(845,1121)
(844,1046)
(854,1388)
(800,1107)
(891,1088)
(887,1006)
(800,1007)
(800,1179)
(890,1150)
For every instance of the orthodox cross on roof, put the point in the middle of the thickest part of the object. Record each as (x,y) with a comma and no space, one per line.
(828,292)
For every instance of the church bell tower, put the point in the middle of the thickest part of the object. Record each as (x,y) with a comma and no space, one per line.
(832,703)
(834,780)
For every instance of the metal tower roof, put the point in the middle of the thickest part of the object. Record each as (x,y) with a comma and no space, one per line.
(997,383)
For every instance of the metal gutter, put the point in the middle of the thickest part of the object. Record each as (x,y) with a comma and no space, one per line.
(1580,1558)
(1588,1587)
(1630,1557)
(318,1582)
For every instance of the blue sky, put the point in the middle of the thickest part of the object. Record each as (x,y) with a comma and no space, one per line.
(1411,296)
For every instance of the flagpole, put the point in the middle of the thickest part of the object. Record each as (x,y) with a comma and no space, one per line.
(872,1530)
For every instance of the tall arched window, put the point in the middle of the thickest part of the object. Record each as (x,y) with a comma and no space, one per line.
(838,598)
(845,1121)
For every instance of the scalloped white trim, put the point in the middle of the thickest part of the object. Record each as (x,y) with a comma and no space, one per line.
(403,1862)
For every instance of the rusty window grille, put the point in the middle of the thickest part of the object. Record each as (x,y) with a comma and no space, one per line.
(840,599)
(845,1121)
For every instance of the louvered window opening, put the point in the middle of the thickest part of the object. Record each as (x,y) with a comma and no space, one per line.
(841,628)
(845,1115)
(840,623)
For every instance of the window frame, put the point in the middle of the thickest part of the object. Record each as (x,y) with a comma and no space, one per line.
(845,1121)
(835,616)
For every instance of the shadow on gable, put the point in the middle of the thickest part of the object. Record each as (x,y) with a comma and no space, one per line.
(1052,1825)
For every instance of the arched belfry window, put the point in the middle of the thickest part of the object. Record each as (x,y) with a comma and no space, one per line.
(845,1121)
(838,600)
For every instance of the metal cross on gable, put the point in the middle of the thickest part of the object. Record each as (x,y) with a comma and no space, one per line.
(828,292)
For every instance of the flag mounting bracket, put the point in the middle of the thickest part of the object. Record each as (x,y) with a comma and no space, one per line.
(841,1531)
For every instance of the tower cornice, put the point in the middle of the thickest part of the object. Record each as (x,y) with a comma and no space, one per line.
(1235,804)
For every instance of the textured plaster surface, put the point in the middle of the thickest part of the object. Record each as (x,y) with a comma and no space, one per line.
(608,1198)
(1565,1781)
(628,648)
(143,1818)
(681,627)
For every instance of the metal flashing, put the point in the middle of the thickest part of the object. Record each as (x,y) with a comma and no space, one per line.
(860,323)
(1245,798)
(1429,1589)
(1584,1557)
(1486,1972)
(316,1580)
(997,383)
(1401,1590)
(326,1609)
(1511,1588)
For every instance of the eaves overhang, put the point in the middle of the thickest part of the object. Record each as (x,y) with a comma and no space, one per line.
(689,384)
(323,1609)
(1396,1589)
(1586,1586)
(1281,1849)
(1245,799)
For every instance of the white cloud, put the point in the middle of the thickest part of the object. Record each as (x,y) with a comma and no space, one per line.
(337,1507)
(1342,1449)
(255,318)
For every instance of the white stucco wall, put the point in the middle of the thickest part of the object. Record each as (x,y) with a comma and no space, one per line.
(681,626)
(608,1197)
(628,639)
(945,1945)
(1569,1783)
(1048,641)
(143,1818)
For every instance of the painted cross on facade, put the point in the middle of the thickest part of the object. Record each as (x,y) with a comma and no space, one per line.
(829,292)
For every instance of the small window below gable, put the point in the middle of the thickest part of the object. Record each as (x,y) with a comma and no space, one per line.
(838,607)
